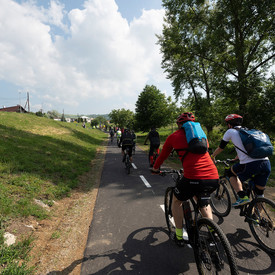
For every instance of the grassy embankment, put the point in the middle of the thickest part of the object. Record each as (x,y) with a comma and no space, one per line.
(40,159)
(214,141)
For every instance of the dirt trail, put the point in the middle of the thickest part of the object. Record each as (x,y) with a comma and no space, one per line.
(60,241)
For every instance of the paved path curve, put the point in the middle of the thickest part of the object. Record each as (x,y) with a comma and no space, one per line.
(128,232)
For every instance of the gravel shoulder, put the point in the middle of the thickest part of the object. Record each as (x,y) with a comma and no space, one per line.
(60,241)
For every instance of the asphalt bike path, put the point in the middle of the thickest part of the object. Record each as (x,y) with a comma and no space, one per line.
(128,234)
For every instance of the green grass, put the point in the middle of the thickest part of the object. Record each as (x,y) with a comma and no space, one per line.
(14,258)
(40,159)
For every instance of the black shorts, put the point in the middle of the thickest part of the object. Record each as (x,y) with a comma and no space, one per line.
(130,147)
(187,188)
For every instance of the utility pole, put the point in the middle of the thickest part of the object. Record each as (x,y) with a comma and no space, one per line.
(20,102)
(27,102)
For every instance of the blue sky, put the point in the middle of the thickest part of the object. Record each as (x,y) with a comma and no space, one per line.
(83,57)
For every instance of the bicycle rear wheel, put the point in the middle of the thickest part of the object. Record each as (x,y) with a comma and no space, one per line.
(168,212)
(128,164)
(220,200)
(212,250)
(261,219)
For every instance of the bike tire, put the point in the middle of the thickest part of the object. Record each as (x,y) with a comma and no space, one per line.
(220,201)
(128,164)
(212,250)
(168,212)
(261,220)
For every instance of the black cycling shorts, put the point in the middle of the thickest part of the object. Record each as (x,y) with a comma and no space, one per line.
(130,149)
(187,188)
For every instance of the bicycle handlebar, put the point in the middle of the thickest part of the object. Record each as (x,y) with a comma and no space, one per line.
(225,162)
(172,171)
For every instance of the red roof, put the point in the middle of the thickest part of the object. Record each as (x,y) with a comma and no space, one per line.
(17,109)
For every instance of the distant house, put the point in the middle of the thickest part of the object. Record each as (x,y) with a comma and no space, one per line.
(87,119)
(16,109)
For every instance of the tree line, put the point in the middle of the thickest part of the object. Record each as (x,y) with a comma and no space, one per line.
(219,56)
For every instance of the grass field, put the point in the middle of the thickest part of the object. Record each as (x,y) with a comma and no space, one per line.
(40,159)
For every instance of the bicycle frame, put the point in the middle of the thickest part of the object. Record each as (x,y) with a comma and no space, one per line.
(209,252)
(190,222)
(127,160)
(257,213)
(247,185)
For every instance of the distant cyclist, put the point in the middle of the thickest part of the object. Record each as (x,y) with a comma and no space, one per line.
(118,136)
(112,133)
(126,141)
(247,166)
(153,137)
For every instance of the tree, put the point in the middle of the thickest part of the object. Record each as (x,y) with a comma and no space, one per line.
(122,118)
(101,120)
(190,74)
(94,122)
(53,114)
(222,48)
(151,109)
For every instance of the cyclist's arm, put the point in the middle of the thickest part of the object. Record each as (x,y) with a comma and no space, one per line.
(219,149)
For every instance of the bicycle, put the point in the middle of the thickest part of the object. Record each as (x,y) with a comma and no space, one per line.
(259,213)
(134,148)
(128,164)
(154,157)
(211,247)
(118,141)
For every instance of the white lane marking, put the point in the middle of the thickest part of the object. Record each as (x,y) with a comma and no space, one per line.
(145,181)
(134,166)
(184,234)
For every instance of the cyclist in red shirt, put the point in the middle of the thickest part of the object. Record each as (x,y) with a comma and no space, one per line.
(200,174)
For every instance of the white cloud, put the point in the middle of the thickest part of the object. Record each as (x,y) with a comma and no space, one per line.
(101,55)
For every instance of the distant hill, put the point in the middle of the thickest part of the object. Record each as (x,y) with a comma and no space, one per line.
(91,115)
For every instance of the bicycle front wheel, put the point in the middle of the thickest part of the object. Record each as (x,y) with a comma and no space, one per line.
(220,200)
(168,212)
(261,219)
(212,250)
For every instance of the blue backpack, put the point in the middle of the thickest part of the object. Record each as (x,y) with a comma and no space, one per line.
(196,138)
(256,143)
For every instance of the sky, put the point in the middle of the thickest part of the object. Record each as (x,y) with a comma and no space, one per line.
(80,57)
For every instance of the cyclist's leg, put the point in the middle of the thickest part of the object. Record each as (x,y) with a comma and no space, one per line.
(123,152)
(157,149)
(182,192)
(177,212)
(130,152)
(151,152)
(260,179)
(240,173)
(203,191)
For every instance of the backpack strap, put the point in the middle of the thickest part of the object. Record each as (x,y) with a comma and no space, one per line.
(238,129)
(184,155)
(240,149)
